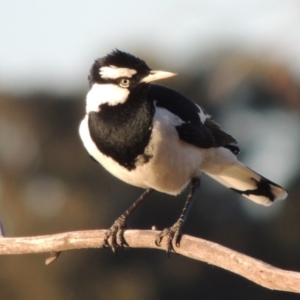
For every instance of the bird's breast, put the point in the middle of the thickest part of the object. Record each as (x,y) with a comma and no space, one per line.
(123,131)
(166,164)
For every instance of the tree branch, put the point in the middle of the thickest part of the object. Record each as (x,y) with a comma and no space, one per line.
(195,248)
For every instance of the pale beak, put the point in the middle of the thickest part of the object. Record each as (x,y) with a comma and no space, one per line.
(157,75)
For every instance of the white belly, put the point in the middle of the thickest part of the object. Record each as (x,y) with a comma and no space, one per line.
(173,162)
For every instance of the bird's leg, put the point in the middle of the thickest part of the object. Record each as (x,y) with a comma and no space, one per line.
(114,236)
(173,233)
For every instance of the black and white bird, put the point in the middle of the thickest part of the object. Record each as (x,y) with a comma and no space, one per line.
(153,137)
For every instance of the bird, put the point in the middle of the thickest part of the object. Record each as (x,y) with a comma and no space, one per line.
(152,137)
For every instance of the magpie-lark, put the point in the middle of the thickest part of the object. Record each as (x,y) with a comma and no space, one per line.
(153,137)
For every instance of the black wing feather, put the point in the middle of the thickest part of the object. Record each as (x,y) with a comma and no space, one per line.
(193,131)
(174,102)
(198,136)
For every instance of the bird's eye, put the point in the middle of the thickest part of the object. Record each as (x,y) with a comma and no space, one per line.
(124,82)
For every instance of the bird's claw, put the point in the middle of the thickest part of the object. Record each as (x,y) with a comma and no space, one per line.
(114,236)
(173,234)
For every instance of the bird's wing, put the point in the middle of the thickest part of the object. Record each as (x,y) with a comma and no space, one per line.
(198,128)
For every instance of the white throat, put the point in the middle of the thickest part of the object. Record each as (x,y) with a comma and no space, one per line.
(111,94)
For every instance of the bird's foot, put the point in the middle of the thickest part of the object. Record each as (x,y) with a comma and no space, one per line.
(114,236)
(173,235)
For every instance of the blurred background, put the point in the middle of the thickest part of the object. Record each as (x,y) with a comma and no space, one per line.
(238,59)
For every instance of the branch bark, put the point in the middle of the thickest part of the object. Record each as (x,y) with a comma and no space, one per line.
(255,270)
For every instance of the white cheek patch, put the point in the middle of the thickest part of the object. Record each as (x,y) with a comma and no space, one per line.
(99,94)
(113,72)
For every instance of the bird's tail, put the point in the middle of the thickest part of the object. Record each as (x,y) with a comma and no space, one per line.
(248,183)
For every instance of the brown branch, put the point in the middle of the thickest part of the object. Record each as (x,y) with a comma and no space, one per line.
(195,248)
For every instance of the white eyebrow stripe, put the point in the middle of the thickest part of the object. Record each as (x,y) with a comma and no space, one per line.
(113,72)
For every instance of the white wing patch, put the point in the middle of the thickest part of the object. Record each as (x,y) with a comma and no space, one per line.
(202,114)
(163,115)
(111,94)
(113,72)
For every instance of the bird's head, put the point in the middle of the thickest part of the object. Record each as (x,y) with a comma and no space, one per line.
(113,77)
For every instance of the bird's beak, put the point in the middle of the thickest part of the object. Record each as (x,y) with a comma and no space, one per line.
(157,75)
